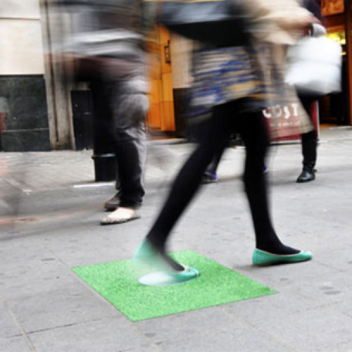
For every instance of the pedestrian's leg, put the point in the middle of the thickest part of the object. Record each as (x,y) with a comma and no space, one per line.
(213,166)
(130,156)
(309,151)
(309,143)
(210,174)
(114,202)
(130,105)
(255,137)
(183,190)
(189,178)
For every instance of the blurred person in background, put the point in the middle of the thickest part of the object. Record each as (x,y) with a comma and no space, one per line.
(107,44)
(228,95)
(309,140)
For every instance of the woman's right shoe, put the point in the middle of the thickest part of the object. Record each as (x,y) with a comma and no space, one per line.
(156,271)
(265,258)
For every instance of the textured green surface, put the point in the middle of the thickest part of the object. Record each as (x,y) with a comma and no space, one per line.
(117,282)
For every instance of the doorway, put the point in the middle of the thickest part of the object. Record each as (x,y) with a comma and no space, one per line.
(161,115)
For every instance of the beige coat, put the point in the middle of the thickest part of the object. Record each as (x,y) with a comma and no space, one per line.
(278,21)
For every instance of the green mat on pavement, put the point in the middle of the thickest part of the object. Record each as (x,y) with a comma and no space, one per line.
(117,283)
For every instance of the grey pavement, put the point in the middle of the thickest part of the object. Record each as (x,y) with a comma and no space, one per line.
(50,209)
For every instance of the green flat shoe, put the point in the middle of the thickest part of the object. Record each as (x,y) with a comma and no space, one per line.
(155,271)
(147,259)
(163,278)
(265,258)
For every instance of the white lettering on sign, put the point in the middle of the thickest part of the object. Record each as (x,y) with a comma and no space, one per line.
(278,111)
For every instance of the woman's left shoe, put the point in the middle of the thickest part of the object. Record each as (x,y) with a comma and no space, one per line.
(155,270)
(265,258)
(168,278)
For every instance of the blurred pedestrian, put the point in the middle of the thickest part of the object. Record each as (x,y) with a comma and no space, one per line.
(228,96)
(309,140)
(107,42)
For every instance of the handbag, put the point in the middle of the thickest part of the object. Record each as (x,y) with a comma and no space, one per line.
(287,117)
(219,22)
(314,66)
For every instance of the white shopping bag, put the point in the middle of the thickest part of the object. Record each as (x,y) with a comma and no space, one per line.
(314,66)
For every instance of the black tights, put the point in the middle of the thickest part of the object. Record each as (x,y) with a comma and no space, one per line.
(215,132)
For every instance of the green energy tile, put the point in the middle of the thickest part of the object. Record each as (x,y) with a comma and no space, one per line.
(117,283)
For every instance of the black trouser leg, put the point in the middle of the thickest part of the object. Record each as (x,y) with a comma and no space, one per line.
(212,133)
(214,164)
(130,155)
(309,147)
(309,140)
(255,137)
(309,150)
(127,141)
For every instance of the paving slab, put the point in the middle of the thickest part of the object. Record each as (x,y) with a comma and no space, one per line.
(107,335)
(15,344)
(8,327)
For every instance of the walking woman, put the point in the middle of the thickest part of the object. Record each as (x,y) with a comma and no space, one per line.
(228,96)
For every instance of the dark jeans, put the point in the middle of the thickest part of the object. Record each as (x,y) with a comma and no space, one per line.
(214,133)
(126,140)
